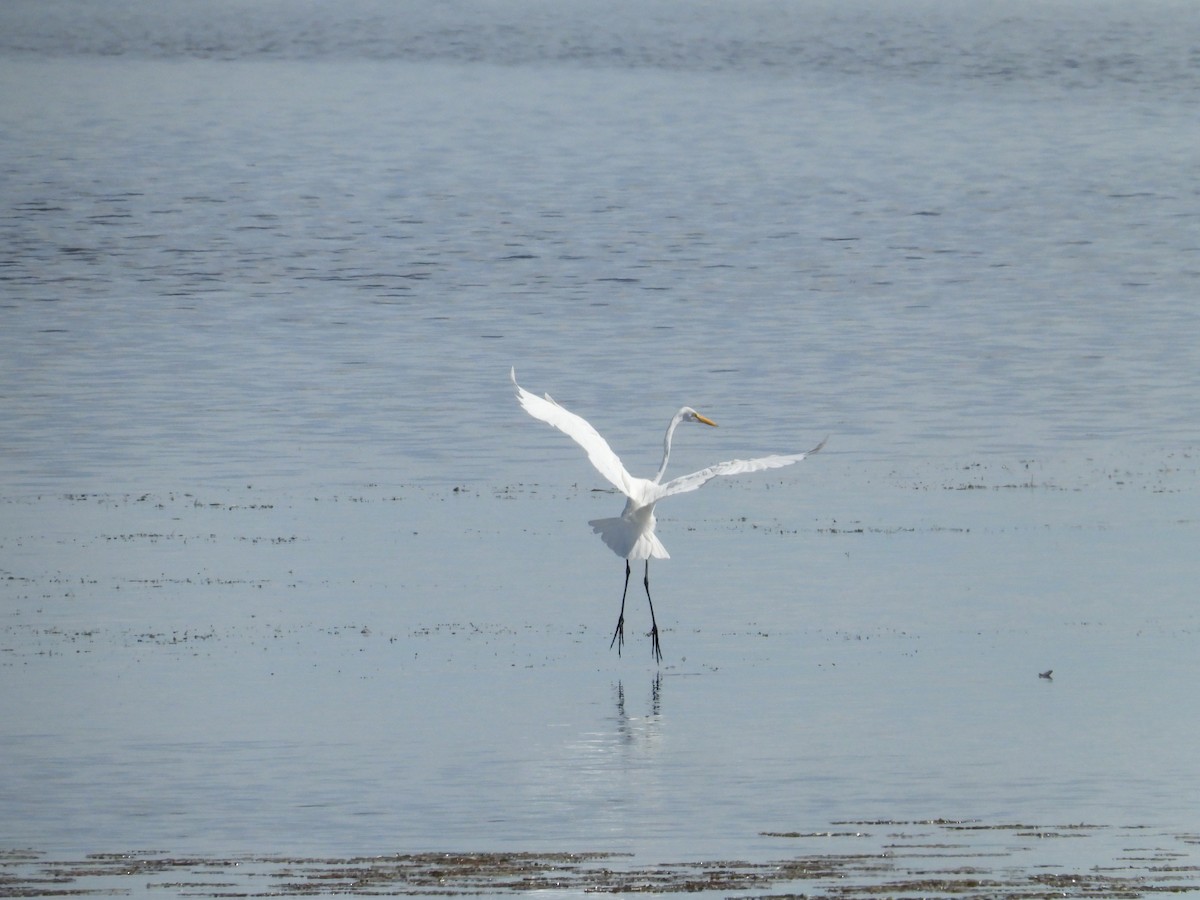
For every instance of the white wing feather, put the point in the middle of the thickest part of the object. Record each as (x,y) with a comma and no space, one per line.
(577,428)
(685,483)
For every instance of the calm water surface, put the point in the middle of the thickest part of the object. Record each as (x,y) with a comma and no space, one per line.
(284,568)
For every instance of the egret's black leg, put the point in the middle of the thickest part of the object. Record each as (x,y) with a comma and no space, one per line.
(619,634)
(653,624)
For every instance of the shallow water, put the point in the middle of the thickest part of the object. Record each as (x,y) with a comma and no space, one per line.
(286,573)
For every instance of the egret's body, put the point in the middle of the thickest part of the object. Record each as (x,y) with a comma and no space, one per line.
(631,534)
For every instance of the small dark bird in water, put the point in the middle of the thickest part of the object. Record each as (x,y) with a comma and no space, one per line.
(1047,674)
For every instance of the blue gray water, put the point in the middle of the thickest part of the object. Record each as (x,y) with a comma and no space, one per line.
(284,568)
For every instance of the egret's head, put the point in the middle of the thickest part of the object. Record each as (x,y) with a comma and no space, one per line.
(690,415)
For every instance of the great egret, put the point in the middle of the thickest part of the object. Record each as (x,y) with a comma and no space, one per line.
(631,534)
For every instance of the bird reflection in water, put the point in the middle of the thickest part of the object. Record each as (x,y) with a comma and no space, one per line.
(630,728)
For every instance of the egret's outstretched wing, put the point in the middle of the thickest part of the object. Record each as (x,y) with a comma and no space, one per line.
(579,430)
(685,483)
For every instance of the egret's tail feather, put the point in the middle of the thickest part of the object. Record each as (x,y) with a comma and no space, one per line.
(626,540)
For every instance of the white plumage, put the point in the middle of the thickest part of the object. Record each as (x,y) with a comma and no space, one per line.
(631,534)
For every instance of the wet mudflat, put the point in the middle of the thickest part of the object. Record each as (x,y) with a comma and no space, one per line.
(853,859)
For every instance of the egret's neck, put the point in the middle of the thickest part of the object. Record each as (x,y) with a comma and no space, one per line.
(667,445)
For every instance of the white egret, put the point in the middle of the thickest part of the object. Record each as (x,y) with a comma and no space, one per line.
(631,534)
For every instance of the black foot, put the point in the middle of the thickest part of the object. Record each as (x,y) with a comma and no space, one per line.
(619,635)
(656,649)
